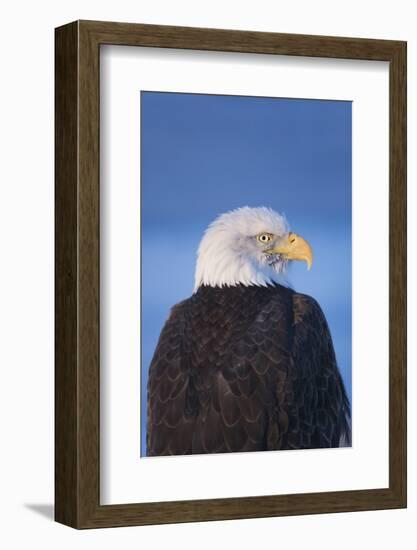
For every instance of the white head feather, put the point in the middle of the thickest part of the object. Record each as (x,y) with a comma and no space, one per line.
(229,253)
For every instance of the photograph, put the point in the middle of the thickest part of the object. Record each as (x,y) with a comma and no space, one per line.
(246,273)
(230,267)
(208,266)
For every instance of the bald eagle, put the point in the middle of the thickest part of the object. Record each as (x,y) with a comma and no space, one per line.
(246,363)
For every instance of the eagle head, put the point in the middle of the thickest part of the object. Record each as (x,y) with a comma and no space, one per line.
(248,246)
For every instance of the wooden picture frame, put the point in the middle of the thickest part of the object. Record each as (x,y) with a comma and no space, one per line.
(77,382)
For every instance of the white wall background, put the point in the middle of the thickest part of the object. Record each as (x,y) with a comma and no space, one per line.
(26,274)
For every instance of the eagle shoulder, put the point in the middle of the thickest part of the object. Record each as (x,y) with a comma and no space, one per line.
(168,395)
(314,357)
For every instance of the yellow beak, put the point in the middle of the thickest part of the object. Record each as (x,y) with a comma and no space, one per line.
(294,247)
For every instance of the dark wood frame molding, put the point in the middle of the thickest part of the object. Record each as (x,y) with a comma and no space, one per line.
(77,405)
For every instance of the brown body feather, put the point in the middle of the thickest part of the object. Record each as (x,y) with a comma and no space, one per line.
(245,369)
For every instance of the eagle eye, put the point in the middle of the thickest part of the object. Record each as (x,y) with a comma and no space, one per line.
(264,238)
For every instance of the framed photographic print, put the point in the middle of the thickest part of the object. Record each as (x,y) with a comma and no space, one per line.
(230,274)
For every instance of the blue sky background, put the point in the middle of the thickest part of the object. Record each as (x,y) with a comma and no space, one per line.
(202,155)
